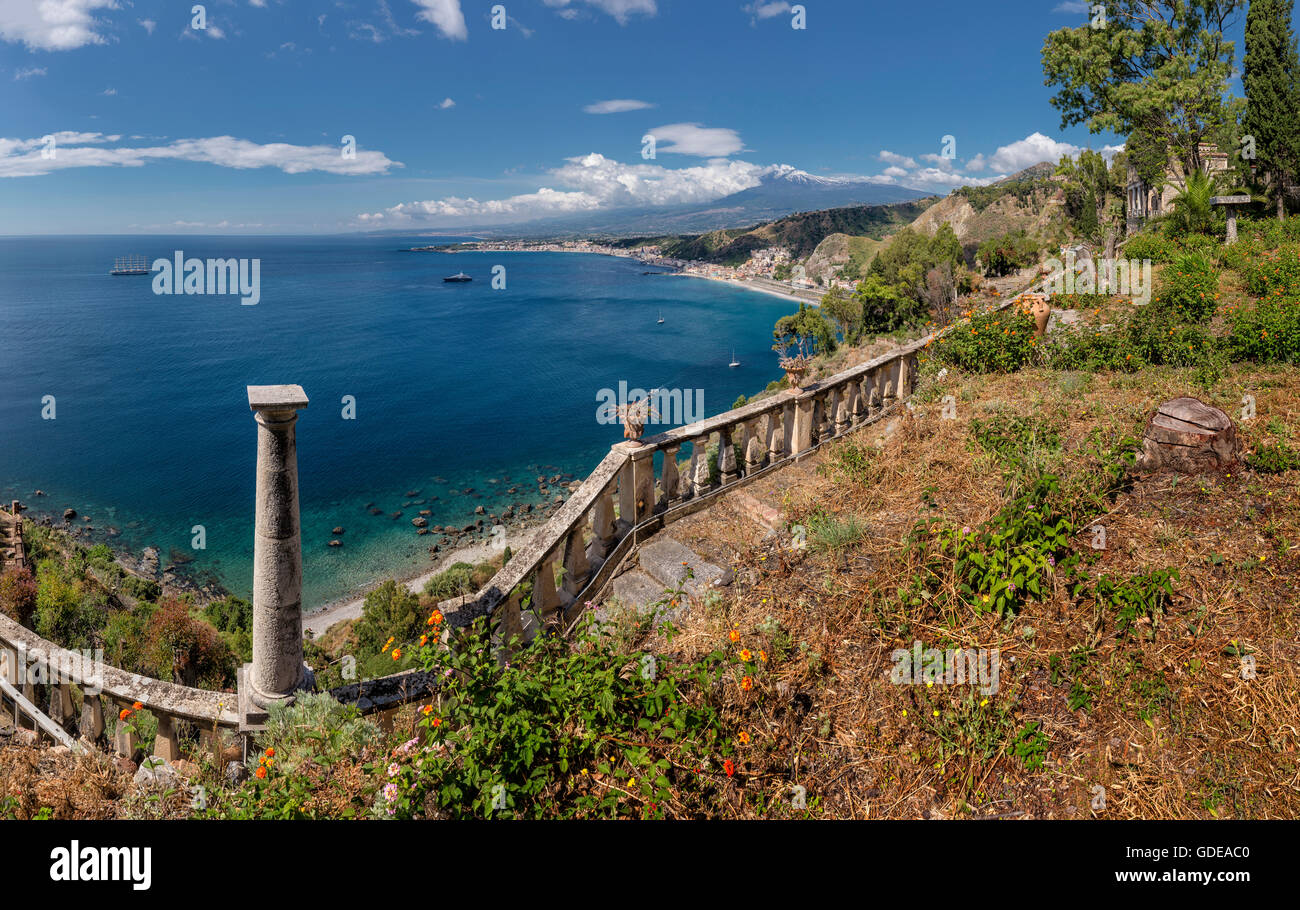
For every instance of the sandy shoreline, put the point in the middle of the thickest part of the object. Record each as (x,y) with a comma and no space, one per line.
(321,618)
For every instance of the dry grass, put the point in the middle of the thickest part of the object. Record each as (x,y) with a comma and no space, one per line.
(1168,725)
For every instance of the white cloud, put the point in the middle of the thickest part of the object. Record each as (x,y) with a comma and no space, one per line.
(617,106)
(939,161)
(619,9)
(894,171)
(1033,149)
(1074,6)
(109,92)
(693,139)
(589,183)
(446,15)
(761,10)
(976,164)
(52,25)
(28,72)
(22,157)
(446,103)
(898,160)
(148,25)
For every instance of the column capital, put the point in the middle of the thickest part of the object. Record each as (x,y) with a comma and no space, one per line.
(276,398)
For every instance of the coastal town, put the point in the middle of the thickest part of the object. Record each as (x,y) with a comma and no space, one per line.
(771,270)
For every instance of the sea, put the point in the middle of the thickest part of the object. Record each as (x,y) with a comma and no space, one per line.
(130,406)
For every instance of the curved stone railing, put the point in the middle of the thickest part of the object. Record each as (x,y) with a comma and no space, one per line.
(28,661)
(632,492)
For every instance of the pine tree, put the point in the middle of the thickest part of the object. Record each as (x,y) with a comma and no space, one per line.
(1269,75)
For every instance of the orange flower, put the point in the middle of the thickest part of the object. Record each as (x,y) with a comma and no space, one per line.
(126,712)
(426,710)
(746,654)
(435,618)
(762,655)
(730,767)
(436,722)
(747,684)
(424,640)
(261,772)
(270,753)
(397,654)
(137,707)
(744,738)
(734,635)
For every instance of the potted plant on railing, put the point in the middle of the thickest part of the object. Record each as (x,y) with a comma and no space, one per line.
(634,416)
(797,337)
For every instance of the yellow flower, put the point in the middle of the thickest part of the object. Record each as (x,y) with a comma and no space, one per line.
(746,654)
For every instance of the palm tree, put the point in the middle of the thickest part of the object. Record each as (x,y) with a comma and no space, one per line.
(1192,211)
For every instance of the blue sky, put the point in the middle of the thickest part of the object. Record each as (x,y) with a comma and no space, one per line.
(162,127)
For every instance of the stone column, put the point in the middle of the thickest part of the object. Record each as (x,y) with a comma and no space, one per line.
(277,670)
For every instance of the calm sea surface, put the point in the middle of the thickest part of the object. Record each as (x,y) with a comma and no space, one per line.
(456,386)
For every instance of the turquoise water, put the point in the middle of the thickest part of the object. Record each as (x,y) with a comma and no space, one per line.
(456,386)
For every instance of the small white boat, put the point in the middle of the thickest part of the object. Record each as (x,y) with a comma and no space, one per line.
(734,361)
(458,278)
(661,317)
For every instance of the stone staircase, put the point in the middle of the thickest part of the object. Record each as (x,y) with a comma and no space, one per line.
(696,553)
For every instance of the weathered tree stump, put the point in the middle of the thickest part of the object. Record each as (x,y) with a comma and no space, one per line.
(1190,437)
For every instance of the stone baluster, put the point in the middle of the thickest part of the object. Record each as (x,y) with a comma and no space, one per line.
(891,376)
(277,671)
(166,744)
(546,600)
(643,480)
(753,447)
(671,481)
(805,416)
(844,408)
(775,438)
(603,532)
(626,498)
(124,738)
(875,391)
(825,425)
(61,710)
(909,369)
(727,472)
(510,626)
(577,569)
(92,717)
(699,466)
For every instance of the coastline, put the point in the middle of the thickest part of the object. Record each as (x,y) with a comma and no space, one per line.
(318,620)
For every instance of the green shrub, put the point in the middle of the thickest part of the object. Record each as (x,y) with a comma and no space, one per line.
(454,581)
(1011,438)
(1152,245)
(998,342)
(1268,332)
(316,728)
(1092,349)
(565,730)
(1274,459)
(18,594)
(1136,598)
(1270,273)
(1190,288)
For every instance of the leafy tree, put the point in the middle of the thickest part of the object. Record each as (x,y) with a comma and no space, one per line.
(807,330)
(846,312)
(1003,255)
(884,309)
(1156,66)
(1093,198)
(1270,71)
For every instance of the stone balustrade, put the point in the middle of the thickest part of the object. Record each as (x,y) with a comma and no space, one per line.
(641,485)
(29,662)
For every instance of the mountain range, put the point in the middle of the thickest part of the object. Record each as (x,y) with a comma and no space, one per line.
(783,190)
